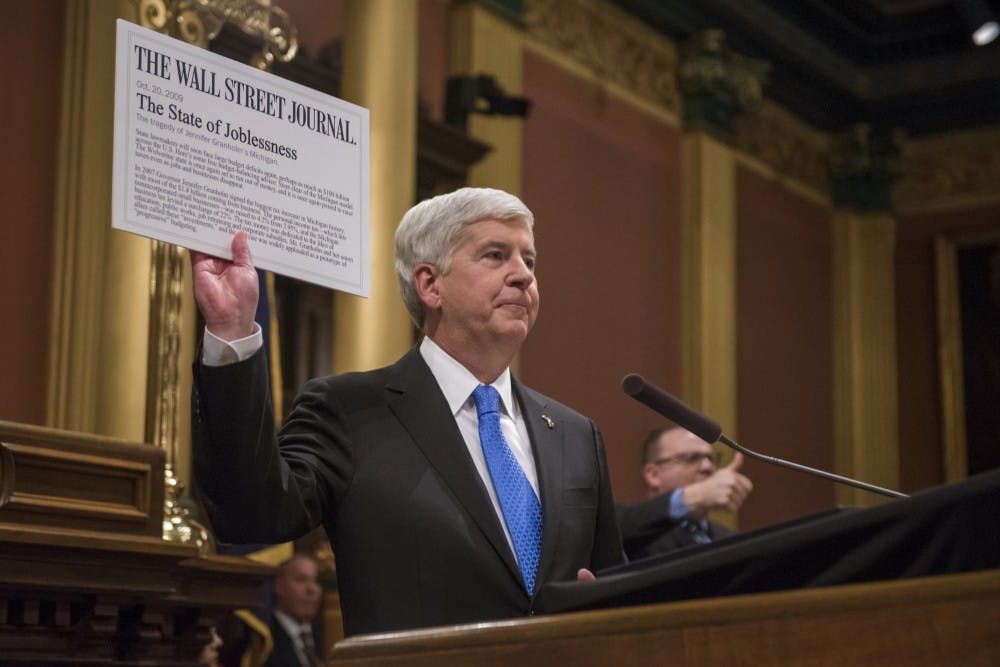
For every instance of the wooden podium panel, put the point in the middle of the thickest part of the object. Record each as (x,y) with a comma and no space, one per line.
(80,597)
(64,479)
(85,576)
(945,620)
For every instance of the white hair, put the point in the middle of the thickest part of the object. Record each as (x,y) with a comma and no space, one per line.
(430,232)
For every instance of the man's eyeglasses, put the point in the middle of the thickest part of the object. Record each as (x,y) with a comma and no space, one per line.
(690,459)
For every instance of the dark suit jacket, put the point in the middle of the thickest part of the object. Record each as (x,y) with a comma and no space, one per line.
(283,654)
(647,529)
(378,459)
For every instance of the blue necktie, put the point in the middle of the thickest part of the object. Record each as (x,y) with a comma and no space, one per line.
(521,510)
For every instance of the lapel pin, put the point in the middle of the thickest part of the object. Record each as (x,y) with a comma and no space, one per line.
(548,421)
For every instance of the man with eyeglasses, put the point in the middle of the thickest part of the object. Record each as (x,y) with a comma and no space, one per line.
(683,483)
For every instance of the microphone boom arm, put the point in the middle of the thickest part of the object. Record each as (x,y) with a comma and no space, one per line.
(670,407)
(812,471)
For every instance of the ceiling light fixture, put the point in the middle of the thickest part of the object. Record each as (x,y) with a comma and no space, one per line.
(980,21)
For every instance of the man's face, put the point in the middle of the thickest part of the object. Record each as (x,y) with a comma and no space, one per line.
(488,295)
(682,459)
(297,590)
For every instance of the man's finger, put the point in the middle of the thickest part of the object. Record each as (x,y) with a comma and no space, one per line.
(241,250)
(583,574)
(736,463)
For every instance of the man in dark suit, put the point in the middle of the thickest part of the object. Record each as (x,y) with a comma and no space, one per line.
(683,485)
(280,633)
(297,597)
(450,492)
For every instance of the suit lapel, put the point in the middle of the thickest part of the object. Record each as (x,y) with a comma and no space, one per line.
(416,399)
(547,443)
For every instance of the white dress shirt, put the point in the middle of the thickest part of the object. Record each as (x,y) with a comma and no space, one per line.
(218,352)
(457,385)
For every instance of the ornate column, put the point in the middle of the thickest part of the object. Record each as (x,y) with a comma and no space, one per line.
(488,38)
(100,301)
(380,56)
(717,85)
(863,165)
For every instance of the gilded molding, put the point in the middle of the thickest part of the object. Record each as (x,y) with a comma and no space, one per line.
(950,367)
(612,45)
(861,151)
(864,163)
(163,391)
(787,145)
(718,83)
(955,169)
(198,22)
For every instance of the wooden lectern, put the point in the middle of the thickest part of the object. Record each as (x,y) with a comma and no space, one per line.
(933,621)
(911,582)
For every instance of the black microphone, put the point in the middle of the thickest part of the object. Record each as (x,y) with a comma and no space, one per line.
(670,407)
(709,431)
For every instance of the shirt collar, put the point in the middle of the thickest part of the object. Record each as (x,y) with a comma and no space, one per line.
(457,383)
(291,627)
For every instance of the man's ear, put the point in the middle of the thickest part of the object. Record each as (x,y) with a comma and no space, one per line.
(650,475)
(425,281)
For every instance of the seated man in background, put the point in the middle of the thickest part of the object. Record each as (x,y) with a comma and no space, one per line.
(683,484)
(280,634)
(297,597)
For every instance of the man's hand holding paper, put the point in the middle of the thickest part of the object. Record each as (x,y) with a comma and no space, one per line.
(226,291)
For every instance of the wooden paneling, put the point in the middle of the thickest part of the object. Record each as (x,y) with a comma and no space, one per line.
(85,576)
(58,478)
(82,597)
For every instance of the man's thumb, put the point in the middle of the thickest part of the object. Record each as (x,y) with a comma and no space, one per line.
(736,463)
(241,250)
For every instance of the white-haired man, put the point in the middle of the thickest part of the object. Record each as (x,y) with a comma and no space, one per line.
(449,491)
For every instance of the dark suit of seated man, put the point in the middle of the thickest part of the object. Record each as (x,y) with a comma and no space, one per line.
(683,485)
(445,501)
(280,634)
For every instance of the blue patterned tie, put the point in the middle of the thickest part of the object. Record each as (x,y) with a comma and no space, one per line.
(521,510)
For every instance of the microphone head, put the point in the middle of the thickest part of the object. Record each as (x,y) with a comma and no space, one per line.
(670,407)
(633,383)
